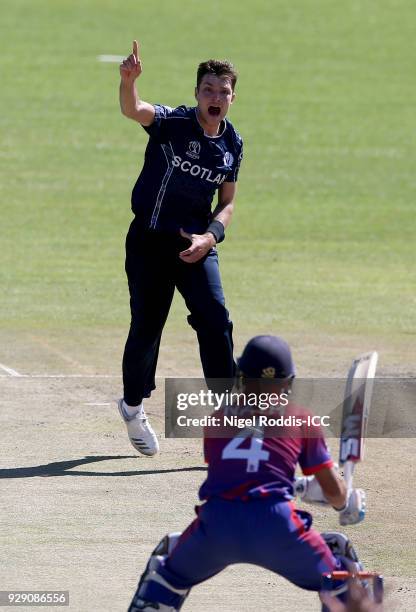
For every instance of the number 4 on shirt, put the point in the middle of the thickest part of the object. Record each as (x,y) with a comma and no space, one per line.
(253,454)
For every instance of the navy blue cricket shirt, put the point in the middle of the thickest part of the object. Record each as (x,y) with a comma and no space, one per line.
(183,167)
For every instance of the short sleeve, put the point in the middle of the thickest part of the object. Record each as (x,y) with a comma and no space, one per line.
(315,455)
(232,175)
(161,114)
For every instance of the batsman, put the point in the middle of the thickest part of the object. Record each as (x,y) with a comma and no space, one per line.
(248,513)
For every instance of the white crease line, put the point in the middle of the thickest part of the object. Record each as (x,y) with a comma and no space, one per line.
(61,375)
(97,404)
(112,59)
(9,371)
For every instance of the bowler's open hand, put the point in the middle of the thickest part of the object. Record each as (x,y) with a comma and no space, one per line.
(131,67)
(200,245)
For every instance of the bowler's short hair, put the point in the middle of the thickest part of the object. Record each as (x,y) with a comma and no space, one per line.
(219,68)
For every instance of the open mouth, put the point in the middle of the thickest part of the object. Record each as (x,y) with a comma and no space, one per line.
(214,111)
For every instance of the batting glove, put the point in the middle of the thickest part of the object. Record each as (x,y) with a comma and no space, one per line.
(308,489)
(354,510)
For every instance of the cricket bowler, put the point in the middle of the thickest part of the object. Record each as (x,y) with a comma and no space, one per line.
(192,154)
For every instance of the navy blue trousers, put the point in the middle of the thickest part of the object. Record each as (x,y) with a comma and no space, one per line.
(153,271)
(273,535)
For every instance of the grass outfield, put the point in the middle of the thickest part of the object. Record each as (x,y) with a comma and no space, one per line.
(321,251)
(322,241)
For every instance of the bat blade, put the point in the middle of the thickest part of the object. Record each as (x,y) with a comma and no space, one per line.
(356,408)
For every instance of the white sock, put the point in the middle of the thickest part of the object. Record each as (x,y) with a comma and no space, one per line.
(131,411)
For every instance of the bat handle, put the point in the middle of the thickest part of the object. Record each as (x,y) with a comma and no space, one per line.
(348,472)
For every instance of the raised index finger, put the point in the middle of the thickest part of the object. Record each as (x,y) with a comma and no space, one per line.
(136,49)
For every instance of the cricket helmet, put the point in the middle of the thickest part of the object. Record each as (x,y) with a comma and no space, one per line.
(267,357)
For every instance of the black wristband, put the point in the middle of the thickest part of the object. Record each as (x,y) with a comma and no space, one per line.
(217,229)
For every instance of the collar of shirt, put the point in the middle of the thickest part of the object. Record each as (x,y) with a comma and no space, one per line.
(223,125)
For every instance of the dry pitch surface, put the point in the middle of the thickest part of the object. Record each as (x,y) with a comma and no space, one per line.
(81,511)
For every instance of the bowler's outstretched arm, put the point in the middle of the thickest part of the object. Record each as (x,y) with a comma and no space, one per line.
(130,103)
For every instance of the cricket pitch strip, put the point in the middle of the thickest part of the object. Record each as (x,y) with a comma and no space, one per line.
(81,511)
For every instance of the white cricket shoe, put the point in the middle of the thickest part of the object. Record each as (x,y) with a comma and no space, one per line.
(141,434)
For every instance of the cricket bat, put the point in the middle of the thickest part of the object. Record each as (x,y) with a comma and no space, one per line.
(355,413)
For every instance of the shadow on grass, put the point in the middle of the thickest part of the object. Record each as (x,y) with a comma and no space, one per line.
(61,468)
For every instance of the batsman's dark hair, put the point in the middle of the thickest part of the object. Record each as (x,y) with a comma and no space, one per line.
(218,68)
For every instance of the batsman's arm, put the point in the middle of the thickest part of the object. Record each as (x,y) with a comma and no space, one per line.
(333,487)
(328,487)
(325,487)
(130,103)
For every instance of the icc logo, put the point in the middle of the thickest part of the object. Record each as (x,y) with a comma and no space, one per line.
(228,159)
(194,149)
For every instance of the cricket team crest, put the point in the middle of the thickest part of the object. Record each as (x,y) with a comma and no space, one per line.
(194,149)
(228,159)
